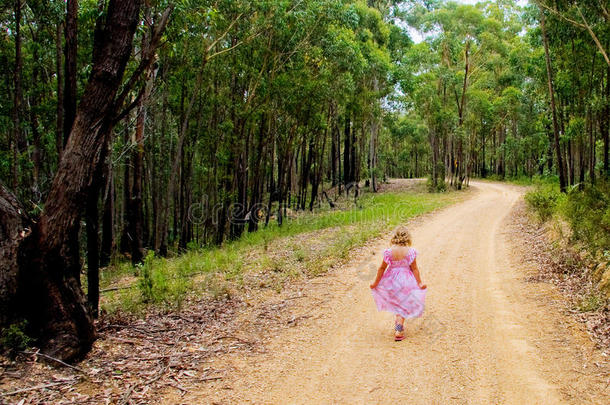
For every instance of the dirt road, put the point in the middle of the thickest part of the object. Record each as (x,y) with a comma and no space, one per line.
(487,336)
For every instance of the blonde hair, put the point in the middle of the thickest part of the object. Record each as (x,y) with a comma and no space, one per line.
(402,236)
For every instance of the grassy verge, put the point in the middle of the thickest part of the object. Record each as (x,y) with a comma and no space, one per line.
(536,180)
(305,246)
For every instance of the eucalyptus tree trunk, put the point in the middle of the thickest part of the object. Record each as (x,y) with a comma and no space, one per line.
(59,120)
(373,144)
(18,140)
(136,214)
(39,277)
(605,126)
(560,167)
(107,218)
(347,165)
(70,66)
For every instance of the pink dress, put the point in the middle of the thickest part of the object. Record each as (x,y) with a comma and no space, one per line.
(397,291)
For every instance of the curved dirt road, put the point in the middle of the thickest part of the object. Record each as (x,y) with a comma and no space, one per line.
(487,336)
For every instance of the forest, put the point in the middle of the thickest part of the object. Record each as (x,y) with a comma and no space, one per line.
(134,126)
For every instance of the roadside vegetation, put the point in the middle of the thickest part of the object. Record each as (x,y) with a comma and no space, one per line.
(579,221)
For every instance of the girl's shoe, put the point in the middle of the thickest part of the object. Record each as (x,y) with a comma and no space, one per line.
(399,332)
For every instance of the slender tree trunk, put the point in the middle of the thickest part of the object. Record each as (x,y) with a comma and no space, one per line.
(434,148)
(353,160)
(347,165)
(373,144)
(18,142)
(93,255)
(590,126)
(319,168)
(126,237)
(34,107)
(70,57)
(591,149)
(59,126)
(570,162)
(605,128)
(107,218)
(162,241)
(560,167)
(137,214)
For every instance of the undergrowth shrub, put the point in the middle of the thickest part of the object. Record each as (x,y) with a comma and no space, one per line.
(588,212)
(152,283)
(440,187)
(543,200)
(14,338)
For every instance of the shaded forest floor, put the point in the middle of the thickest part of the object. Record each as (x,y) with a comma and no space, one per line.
(147,347)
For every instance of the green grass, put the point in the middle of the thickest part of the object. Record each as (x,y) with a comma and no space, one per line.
(167,281)
(523,180)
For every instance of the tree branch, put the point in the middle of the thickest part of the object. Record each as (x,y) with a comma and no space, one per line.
(558,14)
(224,34)
(585,25)
(148,56)
(599,45)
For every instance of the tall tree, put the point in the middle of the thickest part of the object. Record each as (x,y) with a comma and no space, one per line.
(43,255)
(70,66)
(549,70)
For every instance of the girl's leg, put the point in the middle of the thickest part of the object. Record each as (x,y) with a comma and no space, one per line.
(399,333)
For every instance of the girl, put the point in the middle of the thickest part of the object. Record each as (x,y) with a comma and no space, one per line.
(398,287)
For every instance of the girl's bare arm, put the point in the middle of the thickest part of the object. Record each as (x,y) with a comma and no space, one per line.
(415,271)
(380,272)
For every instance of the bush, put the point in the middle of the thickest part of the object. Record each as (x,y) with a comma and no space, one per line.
(14,337)
(152,283)
(440,187)
(543,200)
(588,212)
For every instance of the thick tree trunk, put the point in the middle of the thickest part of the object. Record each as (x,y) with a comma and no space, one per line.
(15,225)
(48,292)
